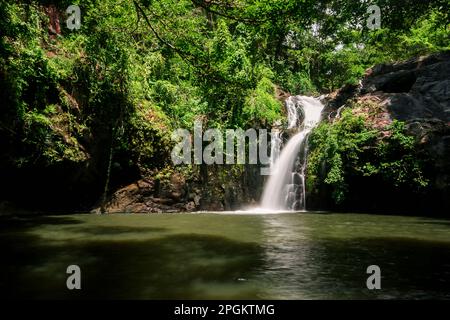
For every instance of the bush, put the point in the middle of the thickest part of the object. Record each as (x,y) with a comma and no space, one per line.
(350,149)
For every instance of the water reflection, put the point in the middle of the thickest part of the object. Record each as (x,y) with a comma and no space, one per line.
(226,256)
(309,256)
(287,250)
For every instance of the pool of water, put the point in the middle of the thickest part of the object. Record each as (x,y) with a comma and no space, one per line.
(225,256)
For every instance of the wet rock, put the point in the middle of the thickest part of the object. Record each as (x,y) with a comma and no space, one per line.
(197,199)
(190,206)
(297,179)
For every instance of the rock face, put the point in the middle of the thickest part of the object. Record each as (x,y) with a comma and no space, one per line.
(416,92)
(177,193)
(151,195)
(417,89)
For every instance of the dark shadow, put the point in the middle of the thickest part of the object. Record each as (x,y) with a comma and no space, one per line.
(25,222)
(401,81)
(172,267)
(410,268)
(112,230)
(443,223)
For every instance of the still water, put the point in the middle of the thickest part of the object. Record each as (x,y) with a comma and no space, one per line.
(225,256)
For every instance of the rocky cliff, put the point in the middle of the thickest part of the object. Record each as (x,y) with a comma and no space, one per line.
(417,93)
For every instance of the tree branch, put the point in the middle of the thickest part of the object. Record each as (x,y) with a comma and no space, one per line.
(207,7)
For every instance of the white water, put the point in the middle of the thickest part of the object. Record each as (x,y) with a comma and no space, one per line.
(275,147)
(292,112)
(285,189)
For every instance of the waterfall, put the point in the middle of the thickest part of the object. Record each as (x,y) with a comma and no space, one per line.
(292,112)
(275,147)
(285,189)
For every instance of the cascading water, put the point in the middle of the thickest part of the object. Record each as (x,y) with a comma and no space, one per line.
(292,113)
(285,189)
(275,147)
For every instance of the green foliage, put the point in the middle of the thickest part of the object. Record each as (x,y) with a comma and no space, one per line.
(428,34)
(351,148)
(48,138)
(261,106)
(137,70)
(400,164)
(147,142)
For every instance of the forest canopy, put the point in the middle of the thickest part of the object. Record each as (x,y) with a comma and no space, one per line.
(111,90)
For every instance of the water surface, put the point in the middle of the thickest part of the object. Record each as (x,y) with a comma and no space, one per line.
(225,256)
